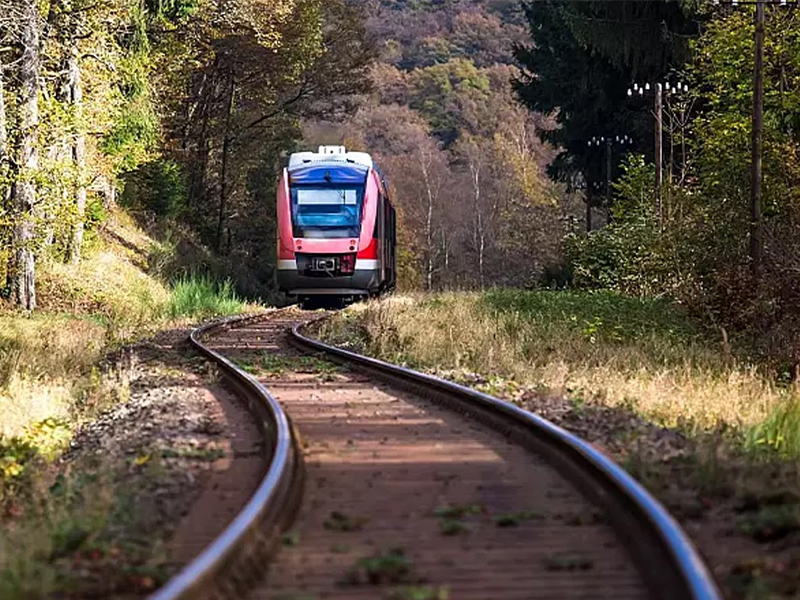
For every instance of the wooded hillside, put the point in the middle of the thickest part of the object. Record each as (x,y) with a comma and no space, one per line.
(462,156)
(711,232)
(179,110)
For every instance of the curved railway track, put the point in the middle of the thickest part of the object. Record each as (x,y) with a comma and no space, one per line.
(414,483)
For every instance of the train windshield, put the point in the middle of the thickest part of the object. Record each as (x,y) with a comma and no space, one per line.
(327,211)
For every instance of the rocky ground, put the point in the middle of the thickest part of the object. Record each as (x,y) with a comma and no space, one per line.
(166,457)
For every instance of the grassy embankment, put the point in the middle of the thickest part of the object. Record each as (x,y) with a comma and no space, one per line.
(51,381)
(618,371)
(645,355)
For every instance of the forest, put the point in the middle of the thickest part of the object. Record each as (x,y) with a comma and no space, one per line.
(487,117)
(184,116)
(184,111)
(587,215)
(482,113)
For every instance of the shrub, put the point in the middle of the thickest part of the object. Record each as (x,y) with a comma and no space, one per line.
(158,186)
(636,254)
(780,431)
(15,455)
(202,297)
(96,213)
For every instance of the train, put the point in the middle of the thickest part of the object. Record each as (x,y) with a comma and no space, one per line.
(337,228)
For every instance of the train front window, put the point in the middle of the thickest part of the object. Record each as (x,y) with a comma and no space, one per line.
(326,211)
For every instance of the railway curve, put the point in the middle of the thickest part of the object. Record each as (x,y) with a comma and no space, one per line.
(408,486)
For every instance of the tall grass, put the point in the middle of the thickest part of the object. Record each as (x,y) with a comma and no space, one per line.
(42,359)
(202,297)
(645,354)
(51,381)
(779,432)
(48,372)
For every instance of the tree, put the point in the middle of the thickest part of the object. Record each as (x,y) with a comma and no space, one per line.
(419,174)
(23,274)
(583,58)
(722,149)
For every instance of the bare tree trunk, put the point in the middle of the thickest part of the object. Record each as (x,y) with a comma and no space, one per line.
(445,252)
(197,176)
(199,155)
(78,156)
(425,166)
(223,178)
(110,195)
(22,270)
(479,233)
(588,211)
(4,158)
(5,168)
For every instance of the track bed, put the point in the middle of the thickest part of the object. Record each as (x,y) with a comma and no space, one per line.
(389,470)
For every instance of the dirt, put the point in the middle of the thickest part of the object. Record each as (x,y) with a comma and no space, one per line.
(182,456)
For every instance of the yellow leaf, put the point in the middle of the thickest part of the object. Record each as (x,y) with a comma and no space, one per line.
(140,460)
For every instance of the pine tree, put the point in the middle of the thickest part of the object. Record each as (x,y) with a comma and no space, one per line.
(583,58)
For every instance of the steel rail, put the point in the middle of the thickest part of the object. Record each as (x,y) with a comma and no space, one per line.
(662,549)
(234,560)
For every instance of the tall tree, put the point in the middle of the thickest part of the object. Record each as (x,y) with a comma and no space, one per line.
(23,274)
(4,156)
(583,57)
(75,95)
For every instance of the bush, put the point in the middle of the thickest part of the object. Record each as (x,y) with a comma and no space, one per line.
(635,254)
(202,297)
(15,456)
(631,257)
(158,186)
(96,213)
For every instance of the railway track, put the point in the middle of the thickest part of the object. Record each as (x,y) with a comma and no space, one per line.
(407,486)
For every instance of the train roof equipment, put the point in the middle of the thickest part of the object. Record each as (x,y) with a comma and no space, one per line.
(329,155)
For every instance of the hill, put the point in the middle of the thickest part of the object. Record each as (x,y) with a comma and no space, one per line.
(464,160)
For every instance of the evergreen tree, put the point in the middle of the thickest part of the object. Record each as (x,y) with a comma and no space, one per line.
(583,58)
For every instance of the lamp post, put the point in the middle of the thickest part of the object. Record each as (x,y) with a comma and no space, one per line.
(659,90)
(608,142)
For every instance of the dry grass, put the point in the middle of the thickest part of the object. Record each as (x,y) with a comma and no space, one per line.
(47,359)
(41,357)
(60,520)
(111,283)
(646,355)
(48,377)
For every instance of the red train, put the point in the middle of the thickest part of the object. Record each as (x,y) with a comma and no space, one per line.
(336,226)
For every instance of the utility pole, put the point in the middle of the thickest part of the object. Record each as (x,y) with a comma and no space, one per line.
(588,211)
(598,186)
(658,112)
(758,126)
(608,172)
(659,135)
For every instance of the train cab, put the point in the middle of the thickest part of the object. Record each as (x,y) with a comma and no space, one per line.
(336,226)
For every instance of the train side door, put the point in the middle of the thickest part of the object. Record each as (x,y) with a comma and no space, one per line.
(392,245)
(381,241)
